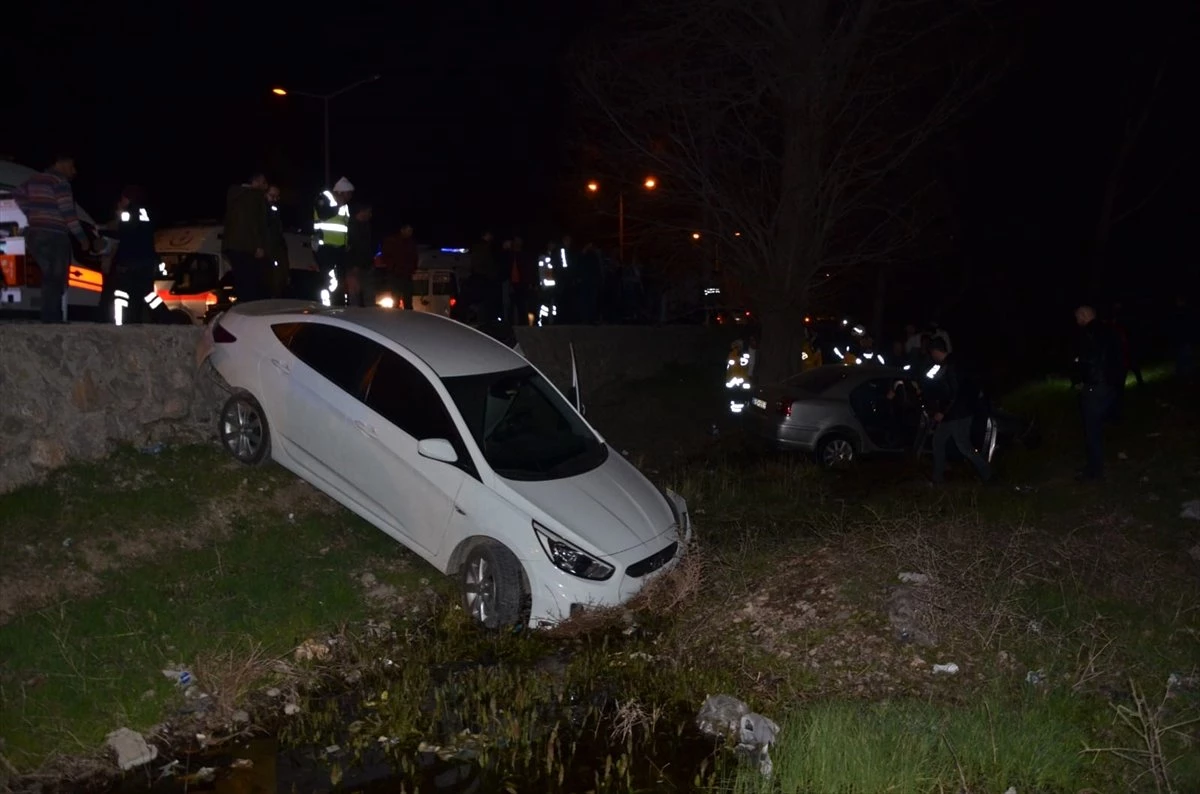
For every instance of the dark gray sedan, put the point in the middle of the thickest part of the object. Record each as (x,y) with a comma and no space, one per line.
(839,413)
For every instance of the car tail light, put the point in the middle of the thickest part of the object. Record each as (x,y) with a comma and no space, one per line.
(210,299)
(453,302)
(221,335)
(785,407)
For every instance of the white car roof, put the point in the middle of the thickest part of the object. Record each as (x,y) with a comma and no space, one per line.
(450,348)
(14,175)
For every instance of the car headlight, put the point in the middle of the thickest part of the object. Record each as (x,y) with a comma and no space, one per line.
(567,557)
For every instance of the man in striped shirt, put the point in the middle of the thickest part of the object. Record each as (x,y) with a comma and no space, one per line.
(49,207)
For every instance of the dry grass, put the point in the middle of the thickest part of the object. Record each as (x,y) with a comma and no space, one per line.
(1153,730)
(663,595)
(229,676)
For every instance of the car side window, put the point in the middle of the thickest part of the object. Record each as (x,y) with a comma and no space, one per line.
(401,394)
(340,356)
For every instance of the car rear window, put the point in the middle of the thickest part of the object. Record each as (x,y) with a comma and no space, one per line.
(817,381)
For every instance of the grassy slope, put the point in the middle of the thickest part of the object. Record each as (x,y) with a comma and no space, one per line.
(178,559)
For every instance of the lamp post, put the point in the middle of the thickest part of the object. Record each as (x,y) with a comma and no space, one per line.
(649,183)
(325,100)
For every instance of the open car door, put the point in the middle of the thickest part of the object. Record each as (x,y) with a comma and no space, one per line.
(574,395)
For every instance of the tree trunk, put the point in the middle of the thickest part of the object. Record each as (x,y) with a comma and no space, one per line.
(781,345)
(877,318)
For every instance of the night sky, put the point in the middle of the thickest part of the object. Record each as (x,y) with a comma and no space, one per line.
(469,125)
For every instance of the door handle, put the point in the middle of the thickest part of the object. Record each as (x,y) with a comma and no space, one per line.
(281,366)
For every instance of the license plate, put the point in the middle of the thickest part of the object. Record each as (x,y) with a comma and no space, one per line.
(760,404)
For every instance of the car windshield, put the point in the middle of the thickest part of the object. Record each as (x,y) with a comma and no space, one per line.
(524,428)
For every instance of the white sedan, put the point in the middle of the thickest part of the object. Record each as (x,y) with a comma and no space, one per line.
(454,445)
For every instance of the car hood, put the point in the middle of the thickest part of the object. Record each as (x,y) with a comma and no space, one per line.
(612,508)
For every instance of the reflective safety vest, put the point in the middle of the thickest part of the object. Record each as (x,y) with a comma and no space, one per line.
(330,227)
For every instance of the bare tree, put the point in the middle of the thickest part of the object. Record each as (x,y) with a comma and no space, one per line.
(1119,202)
(785,126)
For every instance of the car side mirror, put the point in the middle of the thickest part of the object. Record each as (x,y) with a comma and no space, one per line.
(437,449)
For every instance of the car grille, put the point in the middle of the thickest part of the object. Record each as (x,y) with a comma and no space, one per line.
(652,563)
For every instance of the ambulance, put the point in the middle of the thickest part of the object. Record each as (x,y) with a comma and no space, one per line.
(20,277)
(194,278)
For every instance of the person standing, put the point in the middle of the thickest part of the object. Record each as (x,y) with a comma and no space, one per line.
(483,293)
(960,401)
(591,282)
(1184,328)
(331,228)
(244,240)
(360,258)
(135,263)
(49,208)
(400,257)
(913,343)
(1100,367)
(523,277)
(278,263)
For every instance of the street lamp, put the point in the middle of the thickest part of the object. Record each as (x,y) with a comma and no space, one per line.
(695,235)
(277,91)
(649,183)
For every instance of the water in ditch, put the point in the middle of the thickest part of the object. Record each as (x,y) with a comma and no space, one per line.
(599,714)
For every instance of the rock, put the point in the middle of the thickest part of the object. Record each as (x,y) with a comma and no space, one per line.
(273,692)
(240,717)
(368,579)
(725,715)
(720,715)
(131,749)
(85,397)
(311,650)
(290,709)
(1190,510)
(47,453)
(903,611)
(242,763)
(907,577)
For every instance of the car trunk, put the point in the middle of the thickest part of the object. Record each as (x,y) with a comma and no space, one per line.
(776,400)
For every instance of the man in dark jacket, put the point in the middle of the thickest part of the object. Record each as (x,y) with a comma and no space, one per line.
(960,400)
(244,240)
(1099,370)
(135,264)
(400,258)
(360,257)
(482,290)
(278,262)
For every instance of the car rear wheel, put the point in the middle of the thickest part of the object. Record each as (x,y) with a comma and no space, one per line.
(492,586)
(836,452)
(244,431)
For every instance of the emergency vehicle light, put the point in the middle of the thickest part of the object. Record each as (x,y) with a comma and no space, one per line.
(453,250)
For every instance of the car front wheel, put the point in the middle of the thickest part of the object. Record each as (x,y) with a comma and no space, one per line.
(244,431)
(492,586)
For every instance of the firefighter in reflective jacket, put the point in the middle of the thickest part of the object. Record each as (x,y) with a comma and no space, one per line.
(547,287)
(331,223)
(135,265)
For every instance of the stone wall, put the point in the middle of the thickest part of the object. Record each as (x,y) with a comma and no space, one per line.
(71,393)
